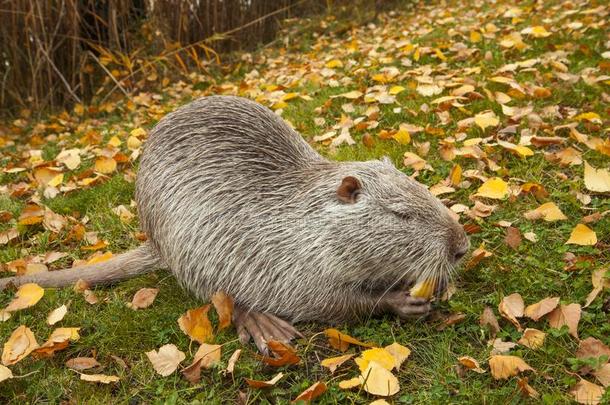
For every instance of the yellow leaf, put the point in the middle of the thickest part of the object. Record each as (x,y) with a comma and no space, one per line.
(456,175)
(57,315)
(333,362)
(532,338)
(379,355)
(5,373)
(105,165)
(475,36)
(582,235)
(377,380)
(352,95)
(289,96)
(547,211)
(541,308)
(166,360)
(351,383)
(335,63)
(115,141)
(597,180)
(27,295)
(402,136)
(486,119)
(100,378)
(504,367)
(539,32)
(138,132)
(394,90)
(58,340)
(471,364)
(589,116)
(423,289)
(100,258)
(495,188)
(196,325)
(21,343)
(133,143)
(399,352)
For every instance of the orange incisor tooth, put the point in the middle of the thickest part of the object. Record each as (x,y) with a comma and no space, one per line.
(423,289)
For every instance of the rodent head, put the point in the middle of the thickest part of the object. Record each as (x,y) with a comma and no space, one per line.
(408,235)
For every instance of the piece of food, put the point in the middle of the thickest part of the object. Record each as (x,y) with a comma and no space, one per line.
(423,289)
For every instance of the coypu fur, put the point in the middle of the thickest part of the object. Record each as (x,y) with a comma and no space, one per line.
(233,199)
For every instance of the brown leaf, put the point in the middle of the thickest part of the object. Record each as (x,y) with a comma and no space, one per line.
(526,389)
(205,357)
(587,393)
(196,324)
(232,361)
(504,367)
(21,343)
(471,364)
(513,237)
(166,360)
(511,308)
(312,392)
(592,347)
(489,319)
(500,347)
(264,384)
(566,315)
(144,298)
(58,340)
(541,308)
(224,308)
(599,281)
(603,375)
(532,338)
(284,355)
(82,363)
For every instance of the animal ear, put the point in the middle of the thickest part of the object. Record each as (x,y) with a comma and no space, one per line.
(348,190)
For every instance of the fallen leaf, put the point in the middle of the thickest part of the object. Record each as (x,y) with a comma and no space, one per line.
(378,355)
(494,188)
(541,308)
(5,373)
(58,340)
(500,347)
(105,165)
(582,235)
(603,375)
(341,341)
(526,389)
(312,392)
(264,384)
(284,354)
(99,378)
(82,363)
(205,357)
(532,338)
(599,281)
(504,366)
(21,343)
(196,324)
(26,296)
(489,319)
(399,352)
(486,119)
(597,180)
(57,315)
(377,380)
(566,315)
(592,347)
(224,308)
(471,364)
(232,361)
(166,360)
(332,363)
(547,211)
(143,298)
(511,307)
(513,237)
(351,383)
(585,392)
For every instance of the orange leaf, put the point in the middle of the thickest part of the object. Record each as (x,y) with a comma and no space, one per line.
(541,308)
(312,392)
(264,384)
(224,308)
(285,355)
(503,367)
(196,325)
(341,341)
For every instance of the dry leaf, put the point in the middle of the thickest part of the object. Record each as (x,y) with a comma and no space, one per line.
(26,296)
(351,383)
(144,298)
(312,392)
(224,308)
(489,319)
(494,188)
(399,352)
(532,338)
(5,373)
(264,384)
(471,364)
(341,341)
(378,355)
(511,308)
(196,325)
(166,360)
(541,308)
(504,367)
(205,357)
(377,380)
(21,343)
(58,340)
(547,211)
(105,165)
(82,363)
(332,363)
(513,237)
(500,347)
(99,378)
(597,180)
(603,375)
(599,281)
(284,354)
(526,389)
(486,119)
(587,393)
(57,315)
(592,347)
(566,315)
(582,235)
(232,361)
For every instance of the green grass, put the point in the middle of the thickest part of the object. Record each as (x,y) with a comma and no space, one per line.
(430,375)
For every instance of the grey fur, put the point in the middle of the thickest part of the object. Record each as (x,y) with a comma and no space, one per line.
(233,199)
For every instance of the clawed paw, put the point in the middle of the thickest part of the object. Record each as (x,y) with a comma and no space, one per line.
(262,328)
(406,306)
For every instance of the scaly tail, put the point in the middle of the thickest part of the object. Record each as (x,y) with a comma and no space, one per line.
(126,265)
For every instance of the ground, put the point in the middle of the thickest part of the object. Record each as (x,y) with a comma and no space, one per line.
(537,66)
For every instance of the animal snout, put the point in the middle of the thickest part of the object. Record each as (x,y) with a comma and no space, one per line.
(459,243)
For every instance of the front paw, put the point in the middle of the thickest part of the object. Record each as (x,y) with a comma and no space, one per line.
(406,306)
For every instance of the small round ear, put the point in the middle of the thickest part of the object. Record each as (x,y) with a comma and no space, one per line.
(348,190)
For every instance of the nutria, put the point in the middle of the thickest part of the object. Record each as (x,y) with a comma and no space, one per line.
(232,199)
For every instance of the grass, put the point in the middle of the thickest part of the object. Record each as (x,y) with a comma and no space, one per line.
(431,375)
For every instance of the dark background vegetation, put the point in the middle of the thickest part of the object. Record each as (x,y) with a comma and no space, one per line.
(56,53)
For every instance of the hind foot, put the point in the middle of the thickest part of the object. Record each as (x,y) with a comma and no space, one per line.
(262,327)
(405,306)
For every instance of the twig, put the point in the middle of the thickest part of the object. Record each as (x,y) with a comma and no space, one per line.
(63,79)
(118,85)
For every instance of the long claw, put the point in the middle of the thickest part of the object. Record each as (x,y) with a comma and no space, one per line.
(262,327)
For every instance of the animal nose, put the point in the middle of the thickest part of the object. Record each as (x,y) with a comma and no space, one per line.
(461,252)
(460,244)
